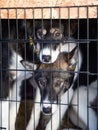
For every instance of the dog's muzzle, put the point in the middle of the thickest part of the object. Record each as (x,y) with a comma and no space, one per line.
(47,110)
(46,58)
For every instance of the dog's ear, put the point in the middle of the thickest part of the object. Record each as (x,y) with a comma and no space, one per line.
(28,65)
(72,58)
(73,53)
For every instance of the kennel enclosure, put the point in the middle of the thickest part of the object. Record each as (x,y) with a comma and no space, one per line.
(13,9)
(83,13)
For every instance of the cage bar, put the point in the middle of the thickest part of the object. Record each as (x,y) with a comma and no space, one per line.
(18,29)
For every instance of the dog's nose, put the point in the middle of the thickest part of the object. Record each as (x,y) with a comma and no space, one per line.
(47,110)
(46,58)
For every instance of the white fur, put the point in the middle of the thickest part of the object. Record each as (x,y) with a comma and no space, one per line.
(49,51)
(54,123)
(79,63)
(9,106)
(80,114)
(66,47)
(46,103)
(15,64)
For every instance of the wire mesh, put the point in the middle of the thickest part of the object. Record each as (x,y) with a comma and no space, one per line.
(25,33)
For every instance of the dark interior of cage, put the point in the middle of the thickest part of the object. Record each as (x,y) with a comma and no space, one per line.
(19,32)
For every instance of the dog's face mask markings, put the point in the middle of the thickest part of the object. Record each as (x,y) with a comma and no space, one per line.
(55,79)
(52,86)
(48,49)
(53,43)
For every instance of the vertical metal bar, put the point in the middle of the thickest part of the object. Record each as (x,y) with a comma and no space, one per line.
(51,26)
(60,104)
(8,60)
(87,66)
(78,69)
(1,70)
(69,35)
(34,36)
(69,21)
(97,66)
(16,47)
(59,67)
(34,22)
(68,46)
(51,69)
(26,33)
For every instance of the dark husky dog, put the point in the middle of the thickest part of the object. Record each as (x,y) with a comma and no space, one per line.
(54,38)
(55,82)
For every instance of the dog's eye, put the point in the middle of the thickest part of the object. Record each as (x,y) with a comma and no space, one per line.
(57,34)
(42,82)
(41,33)
(59,83)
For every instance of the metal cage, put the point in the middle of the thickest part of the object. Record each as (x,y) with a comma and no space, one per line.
(18,32)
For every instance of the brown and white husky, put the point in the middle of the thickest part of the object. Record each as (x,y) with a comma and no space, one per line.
(56,82)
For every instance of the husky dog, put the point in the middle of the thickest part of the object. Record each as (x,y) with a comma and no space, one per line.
(13,52)
(54,39)
(13,73)
(83,111)
(9,106)
(29,106)
(55,82)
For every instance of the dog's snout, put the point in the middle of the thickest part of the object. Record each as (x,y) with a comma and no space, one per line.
(47,110)
(46,58)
